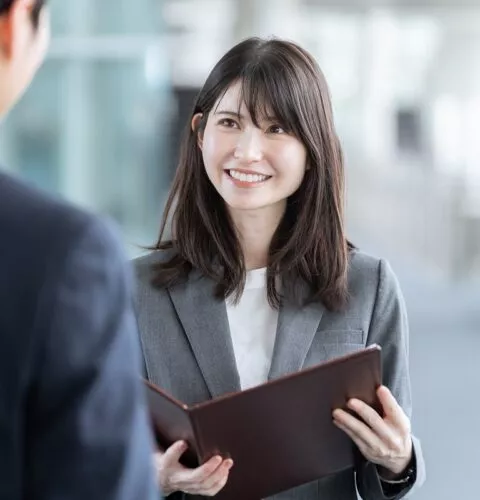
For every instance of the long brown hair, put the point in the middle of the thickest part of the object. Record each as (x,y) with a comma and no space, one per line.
(310,244)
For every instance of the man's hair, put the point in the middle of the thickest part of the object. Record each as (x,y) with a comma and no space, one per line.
(6,5)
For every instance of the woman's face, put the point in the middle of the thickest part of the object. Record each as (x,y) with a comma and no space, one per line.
(251,167)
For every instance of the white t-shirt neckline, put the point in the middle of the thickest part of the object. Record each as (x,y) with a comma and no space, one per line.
(253,327)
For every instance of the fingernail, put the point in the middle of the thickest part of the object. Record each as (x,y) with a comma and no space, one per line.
(228,464)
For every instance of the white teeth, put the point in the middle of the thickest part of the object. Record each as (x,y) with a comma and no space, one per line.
(248,177)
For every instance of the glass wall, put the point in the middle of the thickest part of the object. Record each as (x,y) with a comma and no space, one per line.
(92,126)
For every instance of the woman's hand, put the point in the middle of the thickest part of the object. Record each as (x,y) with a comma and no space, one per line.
(386,441)
(206,480)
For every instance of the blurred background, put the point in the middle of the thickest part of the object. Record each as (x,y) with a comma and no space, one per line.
(102,122)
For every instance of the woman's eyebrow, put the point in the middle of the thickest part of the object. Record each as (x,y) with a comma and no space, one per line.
(235,114)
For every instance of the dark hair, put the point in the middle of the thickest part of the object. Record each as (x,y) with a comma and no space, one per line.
(6,5)
(310,244)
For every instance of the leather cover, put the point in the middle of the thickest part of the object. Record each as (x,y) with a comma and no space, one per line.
(279,434)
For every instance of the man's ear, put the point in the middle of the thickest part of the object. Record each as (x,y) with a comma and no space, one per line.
(19,13)
(197,129)
(6,32)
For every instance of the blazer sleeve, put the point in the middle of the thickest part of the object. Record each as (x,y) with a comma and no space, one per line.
(88,435)
(389,329)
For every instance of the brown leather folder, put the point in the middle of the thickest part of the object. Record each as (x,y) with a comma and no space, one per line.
(279,434)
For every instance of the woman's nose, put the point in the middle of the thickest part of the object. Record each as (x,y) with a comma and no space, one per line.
(249,147)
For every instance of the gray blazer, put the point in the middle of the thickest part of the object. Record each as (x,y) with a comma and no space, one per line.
(188,350)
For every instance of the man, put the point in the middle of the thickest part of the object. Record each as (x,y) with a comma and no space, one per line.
(72,417)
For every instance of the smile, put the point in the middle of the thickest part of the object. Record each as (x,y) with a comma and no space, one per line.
(248,178)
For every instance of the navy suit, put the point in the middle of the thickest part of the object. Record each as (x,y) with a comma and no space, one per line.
(73,423)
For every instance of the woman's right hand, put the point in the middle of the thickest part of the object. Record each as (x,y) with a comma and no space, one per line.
(206,480)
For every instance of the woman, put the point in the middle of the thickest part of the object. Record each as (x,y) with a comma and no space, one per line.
(259,279)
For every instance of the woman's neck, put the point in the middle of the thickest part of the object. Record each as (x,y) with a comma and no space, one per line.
(255,229)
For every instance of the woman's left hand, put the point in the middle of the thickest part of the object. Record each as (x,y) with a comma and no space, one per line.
(385,441)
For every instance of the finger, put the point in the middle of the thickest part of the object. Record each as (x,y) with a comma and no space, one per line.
(219,475)
(360,443)
(393,411)
(196,477)
(372,419)
(358,429)
(157,464)
(157,457)
(366,412)
(218,486)
(173,454)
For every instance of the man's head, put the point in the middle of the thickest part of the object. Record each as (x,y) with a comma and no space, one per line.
(24,37)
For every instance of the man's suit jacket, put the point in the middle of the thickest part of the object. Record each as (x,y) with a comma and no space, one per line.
(188,350)
(72,415)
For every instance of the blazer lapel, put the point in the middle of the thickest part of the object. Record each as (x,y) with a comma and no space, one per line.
(296,330)
(205,321)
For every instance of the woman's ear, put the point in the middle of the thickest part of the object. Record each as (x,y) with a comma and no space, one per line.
(197,129)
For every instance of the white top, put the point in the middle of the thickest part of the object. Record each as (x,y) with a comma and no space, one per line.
(253,326)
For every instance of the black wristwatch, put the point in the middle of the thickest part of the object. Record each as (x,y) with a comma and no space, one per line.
(404,480)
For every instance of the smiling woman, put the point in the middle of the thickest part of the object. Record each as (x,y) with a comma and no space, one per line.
(241,157)
(264,110)
(259,280)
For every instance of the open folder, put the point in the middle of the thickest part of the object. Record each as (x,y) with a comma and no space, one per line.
(279,434)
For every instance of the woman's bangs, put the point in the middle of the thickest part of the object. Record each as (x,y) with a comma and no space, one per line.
(268,97)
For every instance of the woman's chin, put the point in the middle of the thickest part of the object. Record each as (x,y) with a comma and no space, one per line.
(246,205)
(251,205)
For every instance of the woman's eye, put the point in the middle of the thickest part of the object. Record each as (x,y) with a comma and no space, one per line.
(228,122)
(276,129)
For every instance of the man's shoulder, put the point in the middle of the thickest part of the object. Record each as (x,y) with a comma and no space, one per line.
(32,217)
(36,225)
(22,200)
